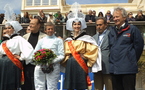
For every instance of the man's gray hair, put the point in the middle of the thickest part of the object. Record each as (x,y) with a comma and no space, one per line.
(123,11)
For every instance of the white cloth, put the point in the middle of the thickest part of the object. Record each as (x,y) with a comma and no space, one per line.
(85,38)
(40,79)
(16,25)
(98,65)
(18,45)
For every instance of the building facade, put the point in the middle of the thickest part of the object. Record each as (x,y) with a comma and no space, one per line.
(33,6)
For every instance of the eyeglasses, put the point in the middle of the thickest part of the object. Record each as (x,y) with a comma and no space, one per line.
(108,13)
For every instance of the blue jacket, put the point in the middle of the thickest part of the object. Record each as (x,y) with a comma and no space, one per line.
(125,49)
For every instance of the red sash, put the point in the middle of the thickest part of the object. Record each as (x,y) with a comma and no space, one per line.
(14,60)
(80,62)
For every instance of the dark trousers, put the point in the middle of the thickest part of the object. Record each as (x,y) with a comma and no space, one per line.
(124,81)
(29,77)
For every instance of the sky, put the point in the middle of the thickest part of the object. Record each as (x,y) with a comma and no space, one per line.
(16,4)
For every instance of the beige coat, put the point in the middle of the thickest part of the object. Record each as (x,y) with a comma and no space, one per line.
(41,35)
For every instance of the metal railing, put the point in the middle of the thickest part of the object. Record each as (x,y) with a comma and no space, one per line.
(91,28)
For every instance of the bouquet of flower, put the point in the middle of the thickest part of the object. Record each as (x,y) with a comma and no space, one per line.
(44,58)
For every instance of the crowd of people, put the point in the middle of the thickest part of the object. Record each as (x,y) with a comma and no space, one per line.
(91,16)
(111,54)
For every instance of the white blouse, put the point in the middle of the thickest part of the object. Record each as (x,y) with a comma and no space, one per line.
(18,45)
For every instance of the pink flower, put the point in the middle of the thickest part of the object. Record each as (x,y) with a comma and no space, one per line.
(43,56)
(43,52)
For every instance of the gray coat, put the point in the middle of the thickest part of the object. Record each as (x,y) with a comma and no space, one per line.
(104,51)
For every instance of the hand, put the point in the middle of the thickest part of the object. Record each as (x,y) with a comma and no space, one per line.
(60,37)
(16,56)
(90,21)
(130,16)
(139,15)
(108,21)
(58,20)
(88,64)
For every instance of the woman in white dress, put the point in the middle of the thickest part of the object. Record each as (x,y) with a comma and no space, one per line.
(11,69)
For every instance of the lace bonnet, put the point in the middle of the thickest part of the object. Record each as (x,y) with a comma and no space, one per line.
(75,16)
(11,18)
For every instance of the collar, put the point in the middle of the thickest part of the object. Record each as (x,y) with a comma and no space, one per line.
(34,33)
(122,26)
(81,34)
(103,32)
(13,35)
(126,27)
(51,36)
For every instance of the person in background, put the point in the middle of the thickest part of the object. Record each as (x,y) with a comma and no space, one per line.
(100,14)
(90,18)
(32,38)
(1,18)
(109,16)
(58,17)
(43,18)
(126,46)
(5,35)
(140,16)
(40,12)
(25,18)
(56,45)
(130,17)
(30,17)
(18,18)
(65,19)
(103,77)
(94,14)
(50,18)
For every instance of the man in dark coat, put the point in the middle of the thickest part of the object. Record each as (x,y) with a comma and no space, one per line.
(126,46)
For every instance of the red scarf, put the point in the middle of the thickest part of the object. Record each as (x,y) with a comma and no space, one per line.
(14,60)
(80,61)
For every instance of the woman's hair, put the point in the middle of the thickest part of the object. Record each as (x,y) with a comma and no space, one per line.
(76,21)
(100,14)
(26,15)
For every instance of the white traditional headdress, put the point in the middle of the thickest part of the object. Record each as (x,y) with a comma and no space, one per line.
(11,18)
(75,15)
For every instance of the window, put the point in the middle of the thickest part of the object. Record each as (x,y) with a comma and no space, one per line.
(45,2)
(37,2)
(53,2)
(28,2)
